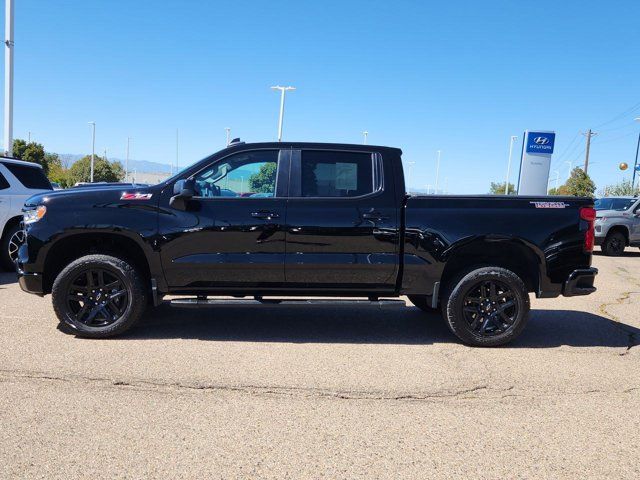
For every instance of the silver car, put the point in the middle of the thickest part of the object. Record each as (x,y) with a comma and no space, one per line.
(617,224)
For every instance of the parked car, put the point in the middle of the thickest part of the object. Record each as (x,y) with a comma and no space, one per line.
(617,224)
(18,181)
(338,223)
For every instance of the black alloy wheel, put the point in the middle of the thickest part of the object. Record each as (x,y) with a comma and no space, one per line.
(486,306)
(490,308)
(97,297)
(614,244)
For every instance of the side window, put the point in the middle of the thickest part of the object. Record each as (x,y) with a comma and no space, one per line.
(336,174)
(244,175)
(30,177)
(3,182)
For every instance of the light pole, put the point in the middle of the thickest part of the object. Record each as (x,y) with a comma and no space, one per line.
(557,178)
(410,164)
(437,171)
(176,150)
(635,164)
(228,130)
(8,78)
(126,162)
(428,189)
(93,146)
(282,93)
(365,133)
(446,185)
(570,162)
(506,184)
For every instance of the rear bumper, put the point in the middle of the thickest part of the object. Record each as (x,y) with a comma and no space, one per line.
(580,282)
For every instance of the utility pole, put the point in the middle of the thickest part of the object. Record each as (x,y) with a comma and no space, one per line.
(635,164)
(228,130)
(8,78)
(365,133)
(280,120)
(506,183)
(176,150)
(126,162)
(588,134)
(408,177)
(93,147)
(437,171)
(105,154)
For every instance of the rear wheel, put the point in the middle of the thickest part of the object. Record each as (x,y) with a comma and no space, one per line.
(486,307)
(13,238)
(614,244)
(423,303)
(98,296)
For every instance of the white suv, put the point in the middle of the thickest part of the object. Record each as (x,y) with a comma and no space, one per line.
(18,181)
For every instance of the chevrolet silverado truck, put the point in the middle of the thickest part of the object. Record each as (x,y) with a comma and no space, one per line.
(303,219)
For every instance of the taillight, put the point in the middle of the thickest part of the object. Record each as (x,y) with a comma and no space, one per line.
(588,214)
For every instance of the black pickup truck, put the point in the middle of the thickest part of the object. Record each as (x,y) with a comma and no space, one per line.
(303,219)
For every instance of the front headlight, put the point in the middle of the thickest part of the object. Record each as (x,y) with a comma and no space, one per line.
(32,216)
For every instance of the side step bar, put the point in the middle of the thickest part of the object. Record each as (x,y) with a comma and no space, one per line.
(203,301)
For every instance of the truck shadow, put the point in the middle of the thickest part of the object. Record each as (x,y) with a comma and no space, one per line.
(7,278)
(362,324)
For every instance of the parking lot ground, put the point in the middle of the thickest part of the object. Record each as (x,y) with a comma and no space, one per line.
(325,391)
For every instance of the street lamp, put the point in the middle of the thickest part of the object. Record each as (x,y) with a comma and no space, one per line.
(8,78)
(93,146)
(506,184)
(126,163)
(437,171)
(635,164)
(282,93)
(228,130)
(365,133)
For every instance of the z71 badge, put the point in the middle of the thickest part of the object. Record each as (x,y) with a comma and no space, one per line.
(550,204)
(136,196)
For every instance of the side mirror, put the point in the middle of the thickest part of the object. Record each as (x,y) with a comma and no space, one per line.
(183,191)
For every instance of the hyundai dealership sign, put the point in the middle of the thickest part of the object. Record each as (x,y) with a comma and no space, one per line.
(540,142)
(535,162)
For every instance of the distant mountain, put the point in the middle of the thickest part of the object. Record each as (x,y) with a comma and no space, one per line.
(141,166)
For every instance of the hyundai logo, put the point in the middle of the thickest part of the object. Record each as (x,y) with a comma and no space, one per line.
(541,140)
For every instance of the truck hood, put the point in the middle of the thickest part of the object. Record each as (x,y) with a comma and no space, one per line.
(107,193)
(611,214)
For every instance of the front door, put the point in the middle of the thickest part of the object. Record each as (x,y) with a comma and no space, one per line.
(342,222)
(232,233)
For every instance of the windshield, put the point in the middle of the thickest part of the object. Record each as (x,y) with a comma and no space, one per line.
(619,204)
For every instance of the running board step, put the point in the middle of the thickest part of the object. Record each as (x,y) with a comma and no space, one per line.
(200,302)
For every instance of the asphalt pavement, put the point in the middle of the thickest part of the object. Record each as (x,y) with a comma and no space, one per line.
(330,390)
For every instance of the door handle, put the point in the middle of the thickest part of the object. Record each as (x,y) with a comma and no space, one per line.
(377,216)
(265,215)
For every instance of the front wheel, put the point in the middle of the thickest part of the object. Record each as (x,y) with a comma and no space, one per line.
(98,296)
(614,244)
(486,307)
(13,238)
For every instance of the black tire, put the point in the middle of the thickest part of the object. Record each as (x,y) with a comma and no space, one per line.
(423,303)
(110,300)
(613,245)
(8,246)
(480,319)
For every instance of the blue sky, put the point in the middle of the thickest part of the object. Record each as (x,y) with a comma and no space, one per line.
(460,76)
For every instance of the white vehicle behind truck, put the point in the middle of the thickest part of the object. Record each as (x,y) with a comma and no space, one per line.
(18,181)
(617,224)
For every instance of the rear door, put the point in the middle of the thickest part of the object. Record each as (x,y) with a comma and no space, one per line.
(342,222)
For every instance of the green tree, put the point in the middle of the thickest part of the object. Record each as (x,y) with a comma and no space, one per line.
(265,180)
(622,188)
(498,188)
(30,152)
(579,184)
(103,170)
(57,173)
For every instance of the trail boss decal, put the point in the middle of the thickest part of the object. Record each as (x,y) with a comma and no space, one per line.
(550,204)
(136,196)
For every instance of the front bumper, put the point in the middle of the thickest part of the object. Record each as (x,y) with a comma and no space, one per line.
(580,282)
(30,282)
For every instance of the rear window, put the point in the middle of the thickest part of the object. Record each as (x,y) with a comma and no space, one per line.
(3,182)
(30,177)
(336,174)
